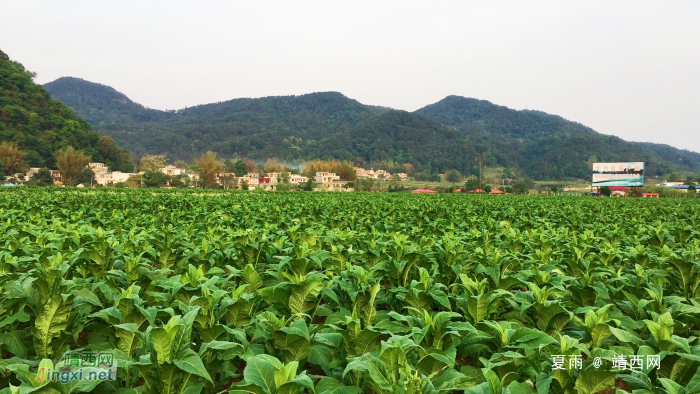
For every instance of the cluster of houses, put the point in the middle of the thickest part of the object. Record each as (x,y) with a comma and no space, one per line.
(379,174)
(325,180)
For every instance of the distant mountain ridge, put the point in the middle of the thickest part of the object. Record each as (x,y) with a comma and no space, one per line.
(451,133)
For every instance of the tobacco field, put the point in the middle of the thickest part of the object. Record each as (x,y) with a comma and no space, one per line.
(266,293)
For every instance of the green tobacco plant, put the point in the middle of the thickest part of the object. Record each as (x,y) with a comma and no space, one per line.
(213,291)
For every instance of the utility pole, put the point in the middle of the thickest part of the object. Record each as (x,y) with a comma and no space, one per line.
(480,174)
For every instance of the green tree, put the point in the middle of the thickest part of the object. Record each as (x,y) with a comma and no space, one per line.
(453,176)
(155,179)
(113,156)
(488,188)
(239,168)
(605,191)
(244,185)
(674,177)
(692,185)
(181,181)
(86,177)
(3,174)
(471,184)
(41,178)
(309,185)
(523,186)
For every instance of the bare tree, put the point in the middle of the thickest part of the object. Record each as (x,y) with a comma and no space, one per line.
(150,163)
(251,165)
(70,163)
(209,168)
(272,165)
(12,158)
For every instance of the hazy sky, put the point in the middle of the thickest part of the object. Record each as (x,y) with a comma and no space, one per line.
(628,68)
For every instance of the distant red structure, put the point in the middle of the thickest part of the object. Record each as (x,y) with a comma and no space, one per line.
(496,191)
(423,191)
(477,191)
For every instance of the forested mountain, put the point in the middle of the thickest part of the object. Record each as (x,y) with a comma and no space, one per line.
(451,133)
(404,137)
(101,105)
(287,126)
(548,146)
(40,125)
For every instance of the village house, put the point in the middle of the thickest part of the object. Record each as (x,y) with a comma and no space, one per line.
(172,170)
(362,173)
(30,173)
(267,183)
(98,168)
(330,181)
(55,175)
(296,178)
(378,174)
(112,178)
(381,174)
(253,181)
(326,178)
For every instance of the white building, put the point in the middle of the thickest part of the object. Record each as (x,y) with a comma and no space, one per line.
(326,177)
(172,170)
(296,178)
(98,168)
(111,178)
(253,181)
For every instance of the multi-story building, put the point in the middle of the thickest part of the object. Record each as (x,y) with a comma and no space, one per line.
(253,181)
(98,168)
(325,177)
(296,178)
(114,177)
(268,183)
(172,170)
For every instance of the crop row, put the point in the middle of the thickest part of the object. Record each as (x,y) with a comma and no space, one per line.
(326,293)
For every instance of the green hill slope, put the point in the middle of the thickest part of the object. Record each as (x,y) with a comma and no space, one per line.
(404,137)
(40,125)
(547,146)
(285,126)
(448,134)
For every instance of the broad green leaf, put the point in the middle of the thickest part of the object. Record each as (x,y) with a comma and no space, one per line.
(50,323)
(189,361)
(478,307)
(591,382)
(303,297)
(261,373)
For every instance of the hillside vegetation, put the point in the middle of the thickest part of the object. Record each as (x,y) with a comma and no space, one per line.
(546,146)
(40,125)
(451,133)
